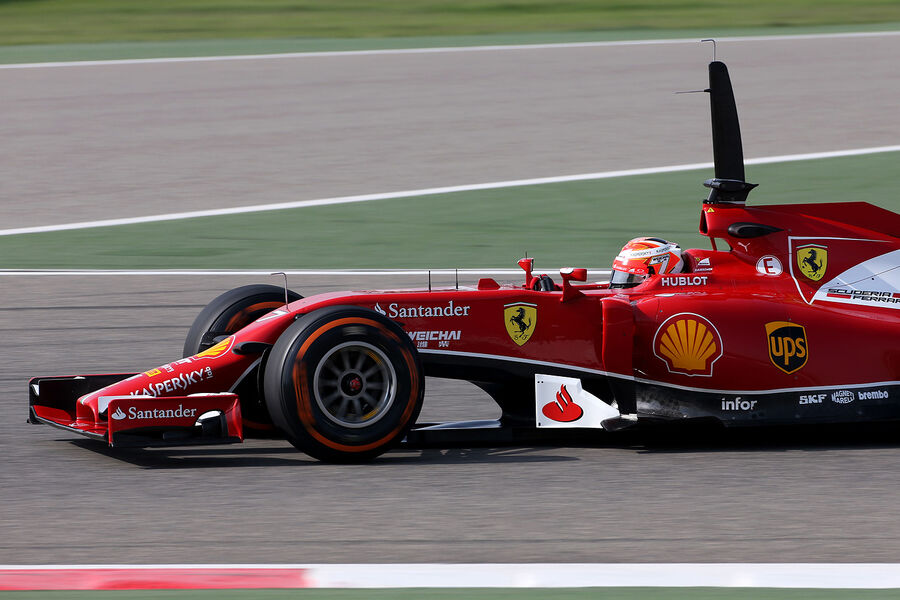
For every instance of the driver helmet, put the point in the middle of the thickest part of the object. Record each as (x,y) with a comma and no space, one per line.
(643,257)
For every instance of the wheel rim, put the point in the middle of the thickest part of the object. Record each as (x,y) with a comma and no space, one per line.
(354,384)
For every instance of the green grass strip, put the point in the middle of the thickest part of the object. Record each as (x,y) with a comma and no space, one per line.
(63,52)
(97,21)
(474,594)
(576,224)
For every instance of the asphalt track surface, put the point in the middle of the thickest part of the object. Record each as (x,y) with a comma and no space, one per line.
(95,142)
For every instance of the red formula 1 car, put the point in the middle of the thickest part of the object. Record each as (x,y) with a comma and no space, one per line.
(792,316)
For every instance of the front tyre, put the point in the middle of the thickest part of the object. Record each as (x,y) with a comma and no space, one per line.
(344,384)
(230,312)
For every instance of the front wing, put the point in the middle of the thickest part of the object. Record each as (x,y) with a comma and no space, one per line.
(141,421)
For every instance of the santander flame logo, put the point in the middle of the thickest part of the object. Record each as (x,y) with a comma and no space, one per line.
(118,415)
(564,408)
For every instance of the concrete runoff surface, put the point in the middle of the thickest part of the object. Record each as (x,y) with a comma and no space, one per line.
(83,143)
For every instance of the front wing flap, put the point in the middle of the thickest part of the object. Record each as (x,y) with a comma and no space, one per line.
(198,418)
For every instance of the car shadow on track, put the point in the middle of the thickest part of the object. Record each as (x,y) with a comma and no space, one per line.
(687,438)
(473,454)
(695,438)
(197,457)
(708,436)
(253,456)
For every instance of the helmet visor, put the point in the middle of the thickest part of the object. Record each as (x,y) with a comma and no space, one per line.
(621,279)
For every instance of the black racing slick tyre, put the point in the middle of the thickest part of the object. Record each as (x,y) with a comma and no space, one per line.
(233,310)
(344,384)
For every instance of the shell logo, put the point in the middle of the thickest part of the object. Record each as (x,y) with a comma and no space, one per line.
(217,350)
(689,344)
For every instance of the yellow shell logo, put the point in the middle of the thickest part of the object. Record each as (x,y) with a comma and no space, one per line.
(217,350)
(689,344)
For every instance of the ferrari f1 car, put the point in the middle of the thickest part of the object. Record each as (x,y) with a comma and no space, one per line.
(791,316)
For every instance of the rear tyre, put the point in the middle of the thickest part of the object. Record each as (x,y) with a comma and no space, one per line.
(344,384)
(233,310)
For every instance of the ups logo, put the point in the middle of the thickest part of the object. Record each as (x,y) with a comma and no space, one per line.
(788,349)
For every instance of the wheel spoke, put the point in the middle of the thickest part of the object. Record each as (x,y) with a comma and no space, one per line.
(330,398)
(345,360)
(357,407)
(342,410)
(334,369)
(369,399)
(371,371)
(360,359)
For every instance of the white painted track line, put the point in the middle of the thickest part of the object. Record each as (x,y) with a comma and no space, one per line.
(592,272)
(443,50)
(434,191)
(609,575)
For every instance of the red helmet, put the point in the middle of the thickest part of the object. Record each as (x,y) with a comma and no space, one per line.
(642,257)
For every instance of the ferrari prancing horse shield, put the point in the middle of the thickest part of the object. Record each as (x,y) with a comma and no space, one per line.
(812,260)
(521,319)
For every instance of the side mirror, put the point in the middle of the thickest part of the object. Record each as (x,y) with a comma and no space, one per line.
(527,264)
(573,274)
(568,275)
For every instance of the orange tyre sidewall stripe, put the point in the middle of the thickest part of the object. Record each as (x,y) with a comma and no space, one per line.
(304,406)
(242,315)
